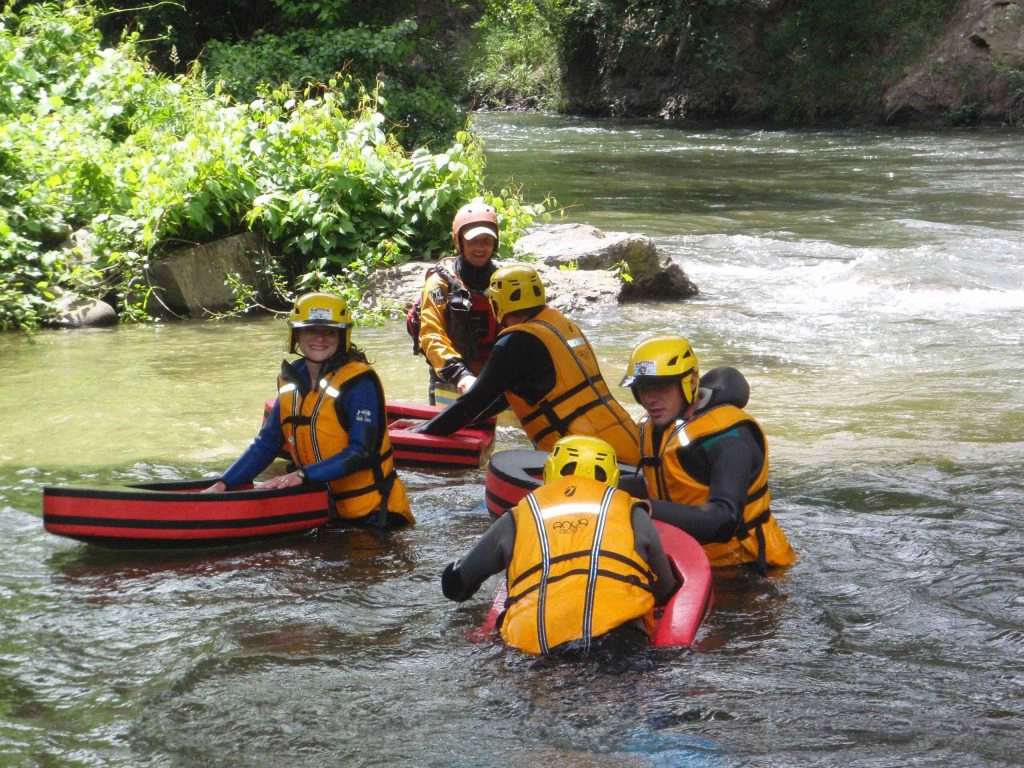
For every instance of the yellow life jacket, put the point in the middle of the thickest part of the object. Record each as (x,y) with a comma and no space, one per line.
(759,537)
(580,402)
(575,573)
(313,432)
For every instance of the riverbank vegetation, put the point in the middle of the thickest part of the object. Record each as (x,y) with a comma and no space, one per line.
(338,129)
(94,141)
(511,59)
(770,61)
(766,61)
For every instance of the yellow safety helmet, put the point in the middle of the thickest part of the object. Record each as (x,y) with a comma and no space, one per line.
(661,359)
(320,309)
(514,288)
(582,456)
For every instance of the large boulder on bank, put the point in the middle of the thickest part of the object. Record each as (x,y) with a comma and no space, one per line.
(581,267)
(73,311)
(393,290)
(193,282)
(651,274)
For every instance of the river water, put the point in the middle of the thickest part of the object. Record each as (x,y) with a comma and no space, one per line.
(871,287)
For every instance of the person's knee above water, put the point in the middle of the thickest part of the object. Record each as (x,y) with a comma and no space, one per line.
(546,370)
(456,325)
(330,416)
(705,460)
(582,557)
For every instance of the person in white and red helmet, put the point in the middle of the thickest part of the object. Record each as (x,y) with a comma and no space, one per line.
(543,367)
(457,326)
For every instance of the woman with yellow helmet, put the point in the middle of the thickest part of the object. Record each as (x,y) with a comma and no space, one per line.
(705,460)
(330,416)
(545,369)
(583,558)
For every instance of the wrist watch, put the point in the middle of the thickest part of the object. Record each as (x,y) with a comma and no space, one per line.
(301,472)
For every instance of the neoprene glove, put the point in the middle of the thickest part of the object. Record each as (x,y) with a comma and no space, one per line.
(451,583)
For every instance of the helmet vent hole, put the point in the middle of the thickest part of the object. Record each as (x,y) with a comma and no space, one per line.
(600,474)
(568,469)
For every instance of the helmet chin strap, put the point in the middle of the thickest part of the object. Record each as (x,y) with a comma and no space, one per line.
(702,399)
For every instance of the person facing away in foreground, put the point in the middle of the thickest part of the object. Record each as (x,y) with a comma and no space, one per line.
(705,460)
(545,368)
(457,324)
(330,416)
(582,558)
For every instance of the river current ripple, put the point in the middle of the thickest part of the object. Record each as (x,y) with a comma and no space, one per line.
(871,287)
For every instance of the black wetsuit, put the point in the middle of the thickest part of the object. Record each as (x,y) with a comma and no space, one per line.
(728,465)
(519,363)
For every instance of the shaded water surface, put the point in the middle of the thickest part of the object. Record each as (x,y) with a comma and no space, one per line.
(870,285)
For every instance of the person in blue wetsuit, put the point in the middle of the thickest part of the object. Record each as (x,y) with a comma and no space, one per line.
(330,417)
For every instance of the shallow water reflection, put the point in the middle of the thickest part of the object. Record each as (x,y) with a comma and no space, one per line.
(878,319)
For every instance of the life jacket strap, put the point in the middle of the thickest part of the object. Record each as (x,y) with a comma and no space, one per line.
(632,579)
(757,526)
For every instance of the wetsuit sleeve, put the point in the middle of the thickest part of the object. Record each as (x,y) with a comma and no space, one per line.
(260,454)
(490,555)
(732,460)
(360,412)
(648,545)
(435,342)
(516,364)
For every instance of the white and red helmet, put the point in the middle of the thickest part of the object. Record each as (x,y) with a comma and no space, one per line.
(473,220)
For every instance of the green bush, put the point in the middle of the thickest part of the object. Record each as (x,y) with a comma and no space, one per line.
(91,137)
(347,208)
(831,55)
(421,106)
(513,60)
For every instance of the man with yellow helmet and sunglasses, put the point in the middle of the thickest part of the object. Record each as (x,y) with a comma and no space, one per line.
(582,558)
(330,416)
(705,460)
(545,369)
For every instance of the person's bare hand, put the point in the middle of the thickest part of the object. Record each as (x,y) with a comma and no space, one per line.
(282,481)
